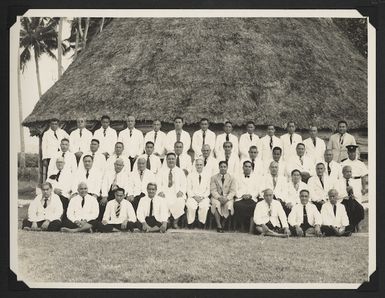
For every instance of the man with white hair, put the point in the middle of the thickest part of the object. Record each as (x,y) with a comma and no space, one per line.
(333,169)
(198,191)
(275,182)
(80,139)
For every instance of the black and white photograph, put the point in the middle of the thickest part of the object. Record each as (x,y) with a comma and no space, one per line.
(193,149)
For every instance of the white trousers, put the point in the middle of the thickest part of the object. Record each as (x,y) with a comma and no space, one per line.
(224,210)
(175,205)
(192,205)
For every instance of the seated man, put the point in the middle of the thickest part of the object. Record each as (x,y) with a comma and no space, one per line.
(82,212)
(153,162)
(90,175)
(248,189)
(270,218)
(99,159)
(172,184)
(119,215)
(334,217)
(294,188)
(152,211)
(304,218)
(223,190)
(198,191)
(231,157)
(44,211)
(276,182)
(257,165)
(319,186)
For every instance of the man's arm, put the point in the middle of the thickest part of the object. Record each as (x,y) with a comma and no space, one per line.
(213,188)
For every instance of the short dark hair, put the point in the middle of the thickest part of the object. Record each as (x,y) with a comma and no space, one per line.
(170,153)
(320,163)
(119,189)
(247,161)
(178,117)
(65,139)
(105,117)
(95,140)
(342,121)
(223,162)
(121,143)
(53,120)
(289,122)
(46,183)
(178,142)
(304,190)
(87,155)
(270,125)
(204,119)
(250,122)
(253,147)
(227,142)
(300,144)
(296,171)
(228,122)
(277,148)
(150,142)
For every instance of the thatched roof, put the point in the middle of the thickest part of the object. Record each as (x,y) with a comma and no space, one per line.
(239,69)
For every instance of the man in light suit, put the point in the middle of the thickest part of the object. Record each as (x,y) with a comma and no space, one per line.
(333,169)
(80,139)
(223,189)
(319,186)
(339,141)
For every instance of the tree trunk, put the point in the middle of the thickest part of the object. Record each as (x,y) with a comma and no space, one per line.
(22,145)
(59,49)
(40,160)
(76,44)
(85,33)
(101,25)
(37,73)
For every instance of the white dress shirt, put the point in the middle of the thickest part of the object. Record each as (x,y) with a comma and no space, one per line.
(219,144)
(296,215)
(197,142)
(280,189)
(184,162)
(159,209)
(211,167)
(159,142)
(99,160)
(51,144)
(233,163)
(335,170)
(317,192)
(359,169)
(89,211)
(137,184)
(194,188)
(111,161)
(266,152)
(293,193)
(307,166)
(248,186)
(119,179)
(340,151)
(133,145)
(315,153)
(184,138)
(69,162)
(94,180)
(355,183)
(179,181)
(53,211)
(126,212)
(289,149)
(259,167)
(155,163)
(329,219)
(64,182)
(261,214)
(82,143)
(245,143)
(107,139)
(282,168)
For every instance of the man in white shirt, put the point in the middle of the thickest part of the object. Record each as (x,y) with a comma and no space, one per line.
(153,162)
(69,158)
(198,191)
(158,137)
(248,189)
(333,169)
(302,162)
(133,140)
(257,165)
(82,212)
(270,218)
(178,135)
(304,218)
(231,158)
(172,185)
(44,212)
(347,180)
(118,153)
(51,142)
(289,141)
(152,211)
(276,182)
(202,137)
(227,136)
(210,163)
(88,174)
(268,142)
(315,147)
(183,160)
(107,137)
(294,188)
(80,139)
(99,159)
(119,214)
(248,139)
(223,189)
(138,180)
(282,166)
(113,180)
(334,217)
(339,141)
(319,186)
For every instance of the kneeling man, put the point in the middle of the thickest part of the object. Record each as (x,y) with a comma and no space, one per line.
(304,218)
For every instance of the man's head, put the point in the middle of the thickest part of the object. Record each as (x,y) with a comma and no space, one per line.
(94,146)
(228,127)
(268,195)
(151,189)
(118,165)
(46,189)
(277,153)
(64,145)
(54,124)
(253,152)
(119,147)
(130,121)
(141,164)
(223,167)
(227,147)
(178,123)
(328,155)
(296,176)
(304,196)
(119,194)
(206,150)
(333,196)
(88,162)
(313,131)
(290,127)
(250,127)
(204,124)
(247,168)
(320,169)
(342,126)
(347,172)
(300,149)
(352,151)
(105,121)
(270,130)
(273,168)
(60,163)
(81,122)
(156,125)
(199,165)
(149,148)
(178,147)
(171,160)
(82,189)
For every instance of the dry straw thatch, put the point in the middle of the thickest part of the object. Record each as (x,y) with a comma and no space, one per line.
(261,69)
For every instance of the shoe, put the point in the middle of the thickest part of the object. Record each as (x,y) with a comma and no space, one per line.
(175,226)
(27,229)
(219,230)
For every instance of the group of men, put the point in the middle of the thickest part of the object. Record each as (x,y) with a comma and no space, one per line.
(284,185)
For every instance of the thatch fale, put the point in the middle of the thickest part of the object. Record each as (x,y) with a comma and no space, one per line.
(239,69)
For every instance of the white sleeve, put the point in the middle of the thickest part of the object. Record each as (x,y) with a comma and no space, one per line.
(131,212)
(107,212)
(32,211)
(292,217)
(58,210)
(95,209)
(45,146)
(140,212)
(71,210)
(282,216)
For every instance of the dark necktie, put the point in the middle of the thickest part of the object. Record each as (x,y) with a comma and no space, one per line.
(301,160)
(322,183)
(204,137)
(151,207)
(58,175)
(329,169)
(62,155)
(155,135)
(87,174)
(104,132)
(227,158)
(251,137)
(83,200)
(177,161)
(130,133)
(80,132)
(227,137)
(347,182)
(274,181)
(54,133)
(148,163)
(170,178)
(178,136)
(117,212)
(252,164)
(341,139)
(205,162)
(200,178)
(335,210)
(223,179)
(305,221)
(314,142)
(93,155)
(45,203)
(247,176)
(141,175)
(271,142)
(291,139)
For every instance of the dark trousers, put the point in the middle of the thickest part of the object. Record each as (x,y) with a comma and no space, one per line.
(136,200)
(270,226)
(329,231)
(71,225)
(243,211)
(355,212)
(303,226)
(64,202)
(318,205)
(109,227)
(151,222)
(53,226)
(45,164)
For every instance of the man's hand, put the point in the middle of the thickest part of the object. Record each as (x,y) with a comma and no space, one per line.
(317,230)
(78,223)
(161,194)
(103,201)
(179,194)
(130,198)
(124,224)
(34,226)
(287,231)
(298,231)
(289,205)
(73,195)
(104,222)
(246,197)
(163,227)
(45,224)
(57,191)
(145,227)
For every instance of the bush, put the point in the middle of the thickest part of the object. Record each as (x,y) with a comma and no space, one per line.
(31,160)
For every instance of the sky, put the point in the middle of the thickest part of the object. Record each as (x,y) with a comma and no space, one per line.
(29,93)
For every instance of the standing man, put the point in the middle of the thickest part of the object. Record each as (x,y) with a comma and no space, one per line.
(158,137)
(227,136)
(268,142)
(183,160)
(257,165)
(231,158)
(106,136)
(153,162)
(339,141)
(198,191)
(248,139)
(304,218)
(132,140)
(210,164)
(44,212)
(80,139)
(315,147)
(332,168)
(99,159)
(269,217)
(178,135)
(302,163)
(275,182)
(202,137)
(69,158)
(289,141)
(51,142)
(319,186)
(223,190)
(172,184)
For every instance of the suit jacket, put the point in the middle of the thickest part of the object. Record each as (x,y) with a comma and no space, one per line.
(316,153)
(339,151)
(317,192)
(329,219)
(228,189)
